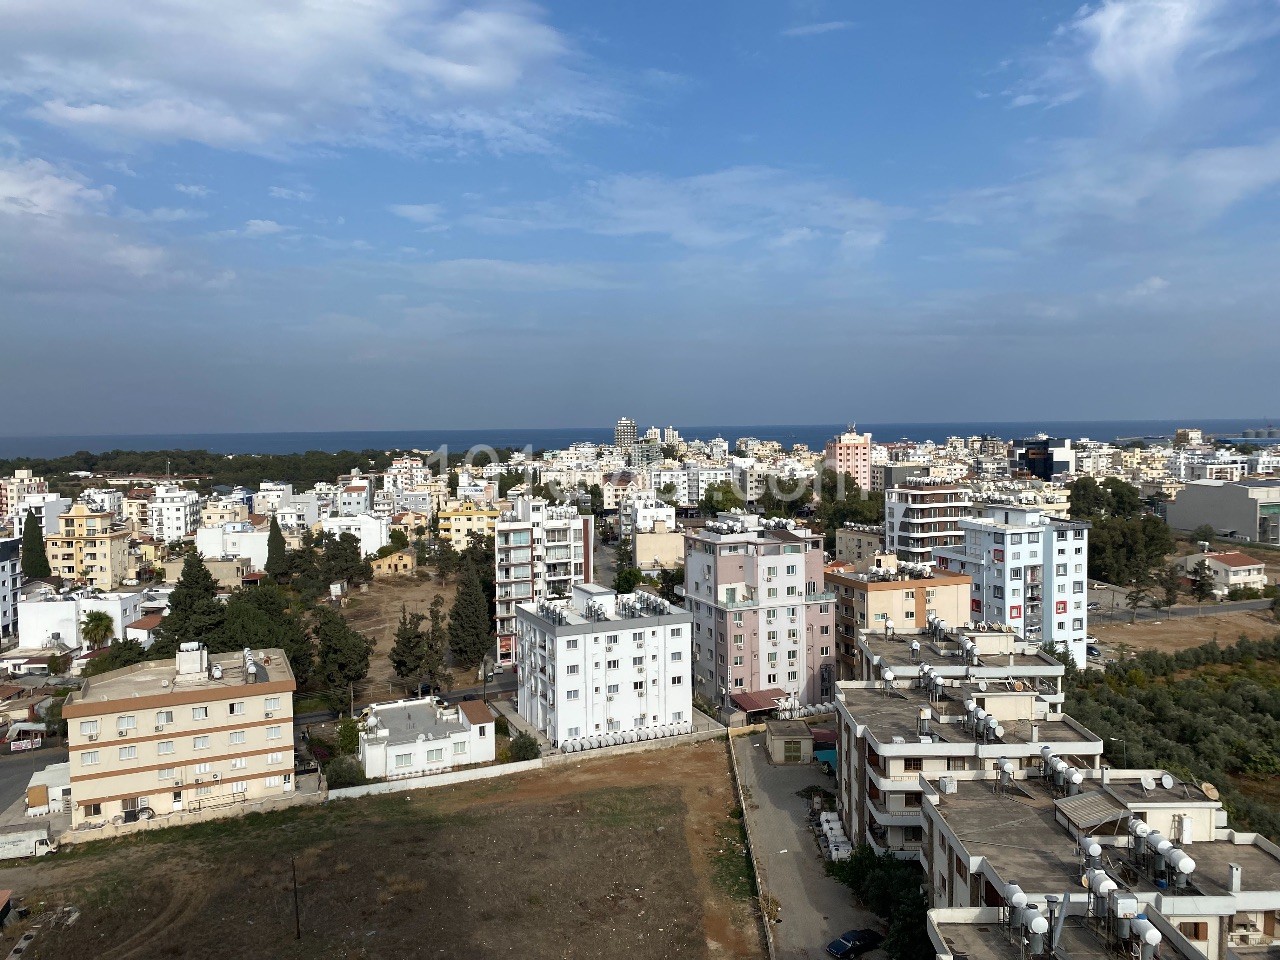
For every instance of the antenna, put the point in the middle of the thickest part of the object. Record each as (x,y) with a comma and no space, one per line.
(1148,783)
(1166,781)
(1209,790)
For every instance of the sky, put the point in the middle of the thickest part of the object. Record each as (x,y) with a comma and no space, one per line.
(260,215)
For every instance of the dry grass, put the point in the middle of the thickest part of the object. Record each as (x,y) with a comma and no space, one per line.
(1180,633)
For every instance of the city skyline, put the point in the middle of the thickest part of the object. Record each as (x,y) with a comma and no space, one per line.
(335,217)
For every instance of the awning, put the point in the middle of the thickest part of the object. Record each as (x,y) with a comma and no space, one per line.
(758,701)
(1088,810)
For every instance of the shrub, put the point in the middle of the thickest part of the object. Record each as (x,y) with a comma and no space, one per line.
(344,772)
(524,747)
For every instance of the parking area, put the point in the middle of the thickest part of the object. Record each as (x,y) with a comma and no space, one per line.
(814,909)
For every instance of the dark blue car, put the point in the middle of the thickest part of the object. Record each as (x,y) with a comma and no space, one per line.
(854,944)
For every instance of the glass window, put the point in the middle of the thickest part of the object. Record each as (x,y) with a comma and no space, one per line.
(273,733)
(271,703)
(88,728)
(199,713)
(129,753)
(237,736)
(164,746)
(89,758)
(127,722)
(200,743)
(236,708)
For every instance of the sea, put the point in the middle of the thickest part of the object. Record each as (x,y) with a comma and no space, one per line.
(814,435)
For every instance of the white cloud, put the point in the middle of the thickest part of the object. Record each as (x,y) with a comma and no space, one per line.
(35,188)
(288,193)
(261,228)
(192,189)
(513,276)
(1147,288)
(270,77)
(162,215)
(424,213)
(815,29)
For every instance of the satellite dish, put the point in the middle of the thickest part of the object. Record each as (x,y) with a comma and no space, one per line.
(1209,790)
(1017,685)
(982,685)
(1166,781)
(1084,882)
(1148,782)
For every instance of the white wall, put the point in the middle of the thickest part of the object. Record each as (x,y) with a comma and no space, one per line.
(371,531)
(234,540)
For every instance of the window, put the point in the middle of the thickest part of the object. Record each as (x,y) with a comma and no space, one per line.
(164,746)
(572,670)
(1194,930)
(239,763)
(275,758)
(89,758)
(771,678)
(913,764)
(236,709)
(677,716)
(129,753)
(677,632)
(571,644)
(792,675)
(574,732)
(484,730)
(273,733)
(637,661)
(824,651)
(273,781)
(435,755)
(612,688)
(459,746)
(737,661)
(200,743)
(168,773)
(571,694)
(127,722)
(88,728)
(1077,623)
(737,640)
(240,786)
(163,717)
(791,569)
(199,713)
(637,685)
(773,657)
(203,768)
(237,736)
(738,682)
(271,704)
(612,665)
(1078,587)
(203,791)
(677,656)
(677,681)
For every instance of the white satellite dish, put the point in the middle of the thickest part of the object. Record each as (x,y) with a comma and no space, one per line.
(1166,781)
(982,685)
(1148,782)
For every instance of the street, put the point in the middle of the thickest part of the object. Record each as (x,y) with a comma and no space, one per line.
(1111,599)
(604,563)
(16,770)
(814,908)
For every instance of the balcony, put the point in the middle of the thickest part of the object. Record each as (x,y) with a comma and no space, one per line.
(825,597)
(901,817)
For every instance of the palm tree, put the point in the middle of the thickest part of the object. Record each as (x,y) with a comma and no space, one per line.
(97,628)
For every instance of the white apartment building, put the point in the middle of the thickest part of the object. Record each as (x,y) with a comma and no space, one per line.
(1029,571)
(406,473)
(23,483)
(47,507)
(372,532)
(540,551)
(197,732)
(602,668)
(174,514)
(643,513)
(105,500)
(922,515)
(762,619)
(355,498)
(412,738)
(236,539)
(47,619)
(271,495)
(10,581)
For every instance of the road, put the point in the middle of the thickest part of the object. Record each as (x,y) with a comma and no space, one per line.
(604,562)
(814,908)
(16,770)
(1112,600)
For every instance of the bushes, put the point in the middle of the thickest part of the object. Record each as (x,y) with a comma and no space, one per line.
(344,772)
(890,888)
(524,747)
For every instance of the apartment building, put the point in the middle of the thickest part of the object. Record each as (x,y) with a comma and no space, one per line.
(174,514)
(1249,510)
(45,507)
(88,546)
(106,500)
(625,433)
(642,512)
(413,738)
(859,542)
(459,519)
(193,733)
(888,594)
(940,702)
(1230,570)
(237,538)
(540,551)
(406,473)
(356,498)
(135,510)
(850,453)
(23,483)
(217,512)
(1094,864)
(923,515)
(762,619)
(10,581)
(372,532)
(1029,571)
(48,620)
(603,668)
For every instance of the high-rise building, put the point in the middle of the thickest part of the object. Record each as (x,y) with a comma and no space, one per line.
(175,512)
(1029,571)
(540,551)
(602,665)
(762,619)
(625,433)
(851,453)
(921,515)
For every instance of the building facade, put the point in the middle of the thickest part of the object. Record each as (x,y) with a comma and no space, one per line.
(193,733)
(541,551)
(413,738)
(10,581)
(922,516)
(602,666)
(174,514)
(460,519)
(88,546)
(850,453)
(23,483)
(625,433)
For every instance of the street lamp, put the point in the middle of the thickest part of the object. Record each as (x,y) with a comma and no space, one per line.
(1124,748)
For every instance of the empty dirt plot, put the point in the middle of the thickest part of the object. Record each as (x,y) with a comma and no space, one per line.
(624,857)
(376,614)
(1179,633)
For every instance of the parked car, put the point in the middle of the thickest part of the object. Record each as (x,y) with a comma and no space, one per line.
(1093,651)
(854,944)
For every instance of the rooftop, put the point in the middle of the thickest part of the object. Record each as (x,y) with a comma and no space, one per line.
(988,941)
(226,673)
(409,720)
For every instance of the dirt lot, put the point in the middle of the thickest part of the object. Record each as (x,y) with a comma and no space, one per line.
(1179,633)
(630,856)
(376,614)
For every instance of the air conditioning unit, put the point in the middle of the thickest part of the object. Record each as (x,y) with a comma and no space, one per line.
(122,733)
(159,727)
(609,698)
(270,715)
(199,780)
(217,777)
(93,737)
(177,783)
(639,669)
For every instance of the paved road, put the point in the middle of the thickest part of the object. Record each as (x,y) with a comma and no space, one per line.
(16,770)
(604,562)
(814,908)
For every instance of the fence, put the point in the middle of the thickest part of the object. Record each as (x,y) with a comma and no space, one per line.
(761,906)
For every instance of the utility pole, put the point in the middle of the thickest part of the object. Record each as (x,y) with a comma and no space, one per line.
(297,913)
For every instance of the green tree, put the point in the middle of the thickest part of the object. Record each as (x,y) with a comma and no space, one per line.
(35,562)
(627,579)
(277,561)
(409,652)
(1123,499)
(435,673)
(263,617)
(597,499)
(1169,583)
(348,736)
(668,580)
(342,654)
(122,653)
(470,634)
(1138,594)
(195,613)
(97,628)
(1204,533)
(719,496)
(524,747)
(398,540)
(1202,582)
(54,724)
(341,561)
(1087,500)
(59,664)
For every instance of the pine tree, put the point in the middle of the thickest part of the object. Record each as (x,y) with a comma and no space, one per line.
(261,617)
(35,562)
(469,626)
(410,649)
(195,612)
(435,671)
(343,653)
(277,562)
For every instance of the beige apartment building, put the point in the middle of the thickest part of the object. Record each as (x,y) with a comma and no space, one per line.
(461,518)
(89,546)
(198,732)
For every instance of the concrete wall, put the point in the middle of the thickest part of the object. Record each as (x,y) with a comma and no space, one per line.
(1223,506)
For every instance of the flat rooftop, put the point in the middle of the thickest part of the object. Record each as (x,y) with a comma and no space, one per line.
(406,720)
(897,653)
(1259,870)
(155,678)
(987,941)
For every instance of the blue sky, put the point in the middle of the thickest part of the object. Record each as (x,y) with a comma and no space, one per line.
(336,214)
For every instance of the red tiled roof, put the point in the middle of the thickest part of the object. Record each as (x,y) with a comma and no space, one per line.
(1234,558)
(9,691)
(757,700)
(149,622)
(477,711)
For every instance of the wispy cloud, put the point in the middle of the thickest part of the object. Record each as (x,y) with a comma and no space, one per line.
(424,213)
(252,230)
(192,189)
(815,29)
(289,193)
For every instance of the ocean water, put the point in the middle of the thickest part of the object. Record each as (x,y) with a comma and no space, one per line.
(815,435)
